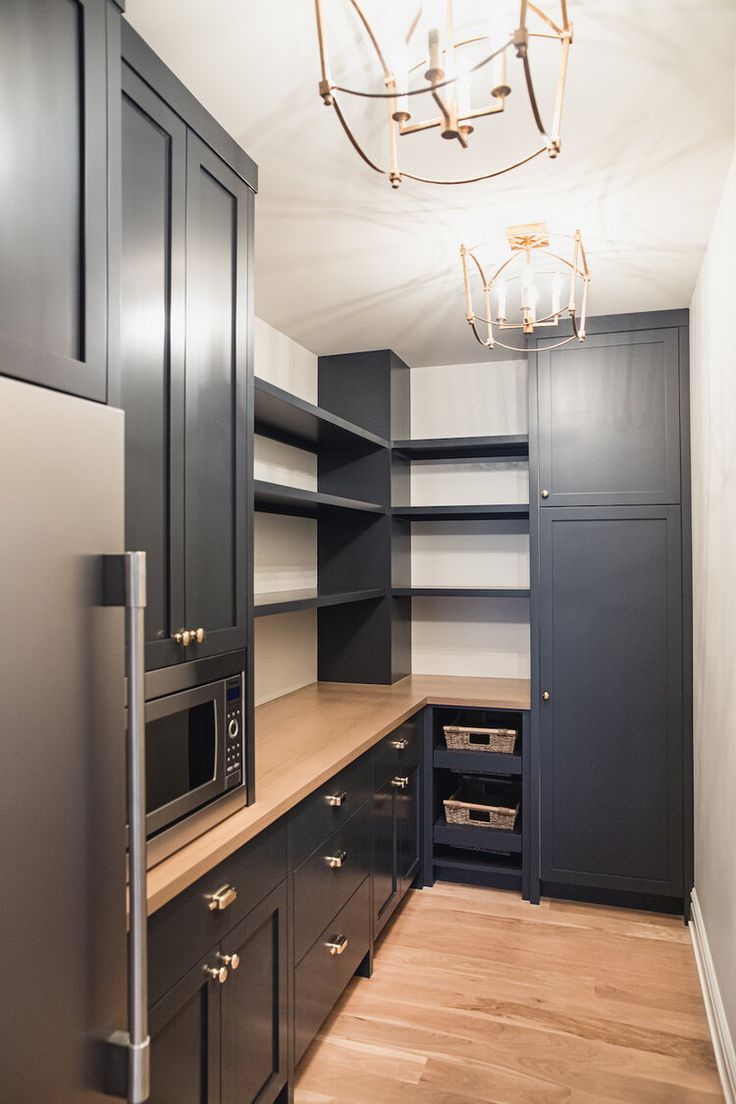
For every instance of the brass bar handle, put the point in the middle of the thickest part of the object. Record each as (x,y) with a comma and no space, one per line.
(217,973)
(400,744)
(232,961)
(183,637)
(336,861)
(337,945)
(222,898)
(401,782)
(337,799)
(197,636)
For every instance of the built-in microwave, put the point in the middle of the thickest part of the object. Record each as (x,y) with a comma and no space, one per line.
(195,761)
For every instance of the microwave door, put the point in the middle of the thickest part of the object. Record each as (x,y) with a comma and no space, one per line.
(185,767)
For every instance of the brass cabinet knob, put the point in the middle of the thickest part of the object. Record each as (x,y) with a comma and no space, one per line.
(546,695)
(336,861)
(400,782)
(400,744)
(222,898)
(217,973)
(337,799)
(197,635)
(231,960)
(184,638)
(545,494)
(337,945)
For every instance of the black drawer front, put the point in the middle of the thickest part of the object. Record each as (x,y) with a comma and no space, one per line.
(397,749)
(321,977)
(316,818)
(320,891)
(184,930)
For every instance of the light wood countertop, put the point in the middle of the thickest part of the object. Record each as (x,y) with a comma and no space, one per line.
(303,738)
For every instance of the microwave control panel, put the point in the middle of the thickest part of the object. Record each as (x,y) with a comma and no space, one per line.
(233,729)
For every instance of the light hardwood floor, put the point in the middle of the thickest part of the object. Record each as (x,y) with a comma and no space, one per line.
(478,996)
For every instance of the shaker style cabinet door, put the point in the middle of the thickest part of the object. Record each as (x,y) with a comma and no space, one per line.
(609,416)
(152,354)
(385,879)
(219,206)
(185,1040)
(254,1006)
(408,826)
(611,660)
(53,215)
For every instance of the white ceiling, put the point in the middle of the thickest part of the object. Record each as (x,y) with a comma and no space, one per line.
(345,263)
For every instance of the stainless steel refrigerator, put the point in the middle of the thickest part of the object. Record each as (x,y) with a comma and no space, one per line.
(63,967)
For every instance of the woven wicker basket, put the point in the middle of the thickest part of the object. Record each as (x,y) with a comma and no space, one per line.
(467,806)
(462,737)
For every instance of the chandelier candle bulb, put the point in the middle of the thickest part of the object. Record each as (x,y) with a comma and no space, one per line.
(500,76)
(556,294)
(501,297)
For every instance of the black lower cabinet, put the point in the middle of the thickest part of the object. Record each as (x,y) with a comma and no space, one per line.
(613,744)
(397,834)
(185,1040)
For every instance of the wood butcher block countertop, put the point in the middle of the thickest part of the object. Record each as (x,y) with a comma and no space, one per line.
(303,738)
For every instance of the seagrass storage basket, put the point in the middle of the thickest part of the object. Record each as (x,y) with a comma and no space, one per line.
(466,738)
(484,803)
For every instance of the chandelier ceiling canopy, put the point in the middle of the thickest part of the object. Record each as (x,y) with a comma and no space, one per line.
(534,282)
(449,65)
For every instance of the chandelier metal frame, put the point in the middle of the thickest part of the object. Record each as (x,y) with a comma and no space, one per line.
(443,90)
(523,241)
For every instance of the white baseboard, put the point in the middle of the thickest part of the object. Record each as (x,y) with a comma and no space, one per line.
(722,1042)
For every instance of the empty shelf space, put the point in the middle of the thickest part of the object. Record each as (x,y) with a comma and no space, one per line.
(278,499)
(475,862)
(505,447)
(294,421)
(460,592)
(513,511)
(480,839)
(477,762)
(291,600)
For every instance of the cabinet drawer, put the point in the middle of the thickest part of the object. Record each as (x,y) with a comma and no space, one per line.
(321,890)
(397,749)
(321,976)
(184,930)
(316,818)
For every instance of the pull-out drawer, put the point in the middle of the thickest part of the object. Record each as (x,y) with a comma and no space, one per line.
(327,808)
(326,969)
(397,749)
(325,881)
(181,932)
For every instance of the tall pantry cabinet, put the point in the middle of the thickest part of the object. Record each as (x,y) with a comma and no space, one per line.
(611,539)
(187,215)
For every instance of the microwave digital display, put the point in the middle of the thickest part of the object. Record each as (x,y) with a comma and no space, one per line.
(233,693)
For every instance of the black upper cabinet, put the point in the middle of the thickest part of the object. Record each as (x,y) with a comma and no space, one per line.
(186,249)
(609,420)
(612,728)
(54,211)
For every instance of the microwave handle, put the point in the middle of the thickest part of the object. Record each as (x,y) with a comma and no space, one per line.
(127,1066)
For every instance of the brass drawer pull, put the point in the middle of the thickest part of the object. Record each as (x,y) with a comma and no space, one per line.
(190,636)
(336,861)
(217,973)
(337,799)
(400,744)
(222,898)
(232,961)
(337,945)
(400,782)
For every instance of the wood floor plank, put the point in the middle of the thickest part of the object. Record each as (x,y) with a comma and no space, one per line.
(478,996)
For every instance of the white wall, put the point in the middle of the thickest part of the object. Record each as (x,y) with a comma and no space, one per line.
(285,548)
(487,637)
(713,391)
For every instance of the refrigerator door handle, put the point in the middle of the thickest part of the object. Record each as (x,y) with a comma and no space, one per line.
(125,584)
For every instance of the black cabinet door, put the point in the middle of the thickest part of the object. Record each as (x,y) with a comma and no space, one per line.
(385,880)
(408,826)
(152,354)
(185,1040)
(609,413)
(612,729)
(219,211)
(254,1006)
(53,215)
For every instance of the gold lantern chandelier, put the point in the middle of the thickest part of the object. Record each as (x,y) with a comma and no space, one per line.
(524,291)
(432,63)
